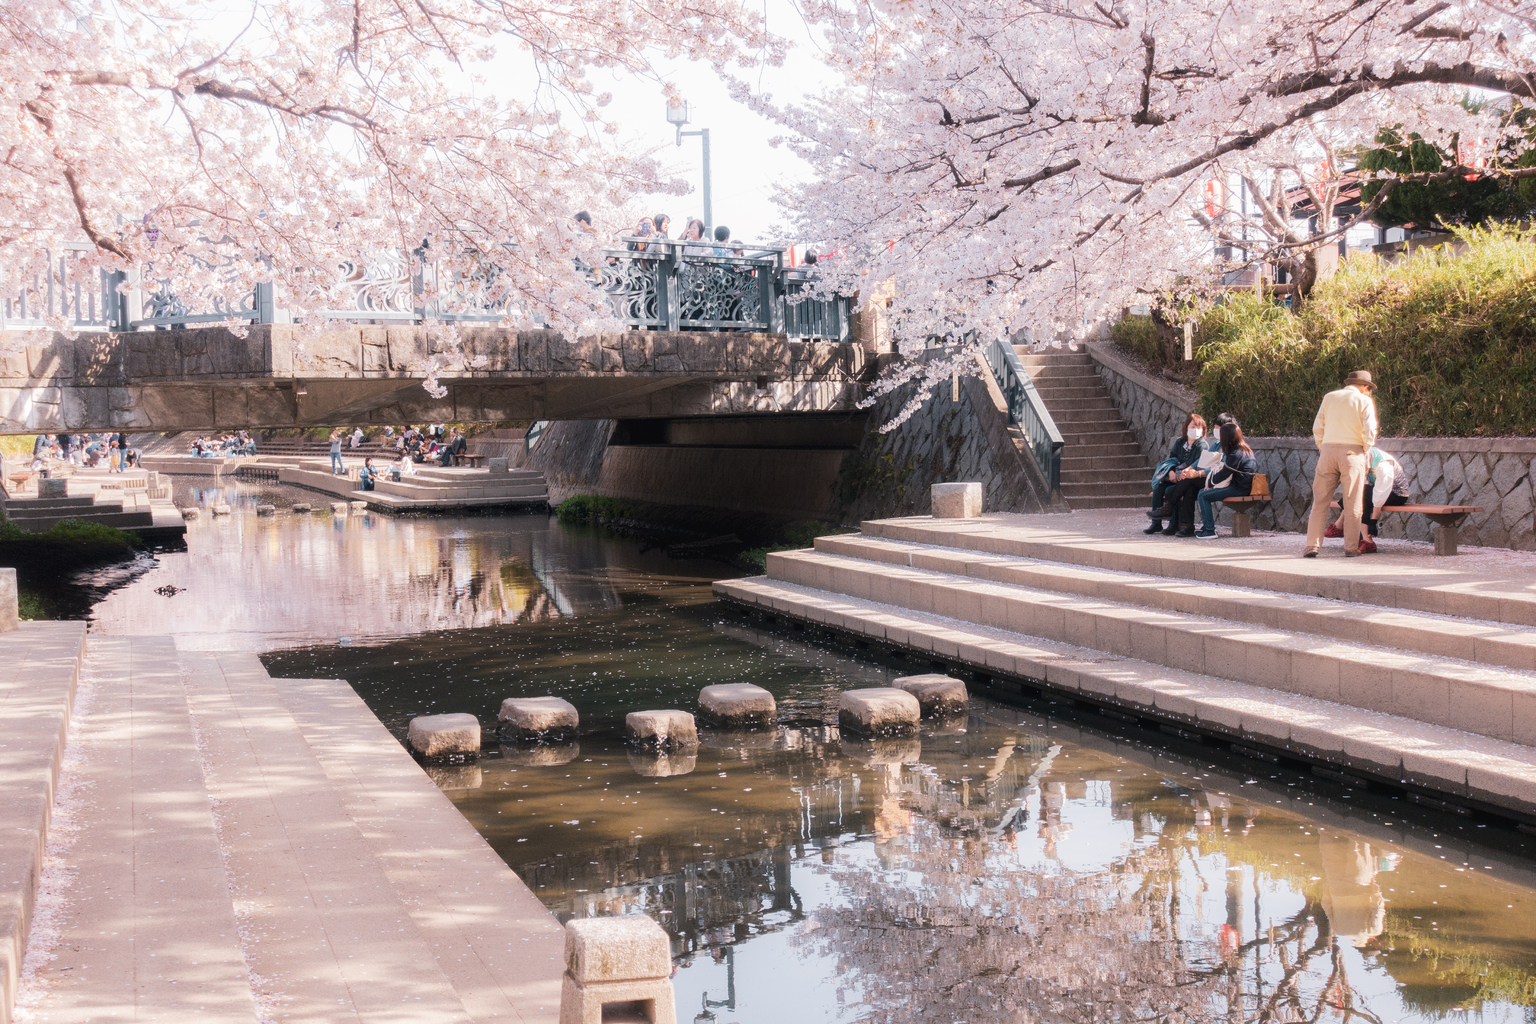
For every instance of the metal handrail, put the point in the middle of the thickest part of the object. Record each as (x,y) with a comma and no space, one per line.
(1026,409)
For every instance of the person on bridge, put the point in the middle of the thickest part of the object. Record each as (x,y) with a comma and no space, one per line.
(336,467)
(1344,430)
(693,231)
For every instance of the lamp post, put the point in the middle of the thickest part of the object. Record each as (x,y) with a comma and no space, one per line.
(677,116)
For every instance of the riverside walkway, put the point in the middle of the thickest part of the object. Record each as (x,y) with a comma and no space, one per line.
(1395,671)
(222,846)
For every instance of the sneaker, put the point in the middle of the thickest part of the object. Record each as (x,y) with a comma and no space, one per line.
(1367,545)
(1206,535)
(1309,553)
(1334,530)
(1156,527)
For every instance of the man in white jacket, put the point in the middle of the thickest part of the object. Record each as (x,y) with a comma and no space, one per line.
(1344,430)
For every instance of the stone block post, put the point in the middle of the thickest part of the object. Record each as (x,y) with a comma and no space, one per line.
(956,501)
(617,969)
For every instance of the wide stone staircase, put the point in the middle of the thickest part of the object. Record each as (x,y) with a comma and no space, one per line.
(1101,464)
(188,839)
(1420,680)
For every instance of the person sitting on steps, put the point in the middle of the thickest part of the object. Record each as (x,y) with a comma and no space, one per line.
(367,474)
(1233,478)
(1384,475)
(1179,465)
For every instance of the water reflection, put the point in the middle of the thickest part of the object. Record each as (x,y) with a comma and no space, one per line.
(250,582)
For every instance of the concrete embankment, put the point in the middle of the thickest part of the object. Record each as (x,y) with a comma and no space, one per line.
(832,467)
(1392,673)
(240,848)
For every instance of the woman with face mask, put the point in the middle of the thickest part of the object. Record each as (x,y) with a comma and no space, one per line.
(1179,466)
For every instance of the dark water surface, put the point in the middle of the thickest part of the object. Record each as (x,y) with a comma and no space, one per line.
(1007,865)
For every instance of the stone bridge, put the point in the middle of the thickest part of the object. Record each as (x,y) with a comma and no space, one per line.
(215,379)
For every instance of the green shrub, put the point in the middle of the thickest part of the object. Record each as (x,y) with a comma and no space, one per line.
(1137,335)
(1450,337)
(590,508)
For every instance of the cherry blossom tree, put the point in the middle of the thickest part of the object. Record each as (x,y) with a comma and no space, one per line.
(212,146)
(1039,163)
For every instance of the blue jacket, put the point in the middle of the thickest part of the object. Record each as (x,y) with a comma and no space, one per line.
(1182,455)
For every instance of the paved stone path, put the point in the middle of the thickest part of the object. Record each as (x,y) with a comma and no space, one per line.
(252,850)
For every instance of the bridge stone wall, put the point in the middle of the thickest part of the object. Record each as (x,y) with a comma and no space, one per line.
(1493,473)
(273,376)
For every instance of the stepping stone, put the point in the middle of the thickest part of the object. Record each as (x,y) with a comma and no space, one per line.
(221,510)
(879,711)
(956,501)
(191,513)
(339,508)
(662,766)
(299,508)
(737,706)
(537,720)
(359,506)
(541,755)
(938,695)
(665,732)
(455,735)
(266,510)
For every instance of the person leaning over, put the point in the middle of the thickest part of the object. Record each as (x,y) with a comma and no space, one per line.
(1385,476)
(1345,429)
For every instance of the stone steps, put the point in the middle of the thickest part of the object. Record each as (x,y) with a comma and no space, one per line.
(1494,702)
(1438,635)
(1461,765)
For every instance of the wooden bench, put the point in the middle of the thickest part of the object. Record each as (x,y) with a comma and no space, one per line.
(473,460)
(1243,507)
(1447,520)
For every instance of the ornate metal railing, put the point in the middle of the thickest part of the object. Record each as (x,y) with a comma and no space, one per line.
(668,286)
(1026,410)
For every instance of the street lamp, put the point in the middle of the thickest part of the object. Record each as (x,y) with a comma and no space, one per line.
(677,116)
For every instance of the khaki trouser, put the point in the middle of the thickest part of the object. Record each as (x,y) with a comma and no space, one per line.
(1338,466)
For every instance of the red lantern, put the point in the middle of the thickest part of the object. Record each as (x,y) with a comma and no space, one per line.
(1215,198)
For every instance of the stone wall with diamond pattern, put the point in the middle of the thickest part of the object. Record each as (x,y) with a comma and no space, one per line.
(1492,473)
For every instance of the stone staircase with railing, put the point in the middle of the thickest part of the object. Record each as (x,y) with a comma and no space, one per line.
(1101,464)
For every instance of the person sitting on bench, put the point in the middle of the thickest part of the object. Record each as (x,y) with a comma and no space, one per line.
(1179,465)
(1385,475)
(1232,479)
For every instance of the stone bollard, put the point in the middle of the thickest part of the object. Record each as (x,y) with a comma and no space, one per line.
(299,508)
(359,506)
(10,612)
(879,711)
(737,706)
(221,510)
(339,508)
(617,969)
(537,720)
(498,466)
(956,501)
(938,695)
(191,513)
(445,735)
(662,766)
(662,732)
(266,510)
(53,487)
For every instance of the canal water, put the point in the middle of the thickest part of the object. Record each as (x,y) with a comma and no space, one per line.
(1006,865)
